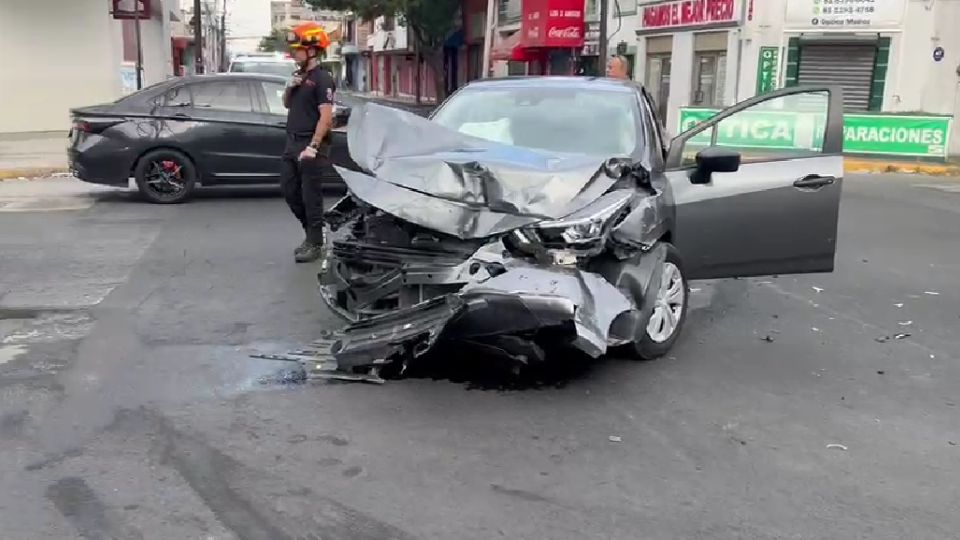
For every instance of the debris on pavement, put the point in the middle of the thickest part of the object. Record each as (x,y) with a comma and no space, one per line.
(815,329)
(899,304)
(818,289)
(931,293)
(905,323)
(903,335)
(835,446)
(881,372)
(768,338)
(615,438)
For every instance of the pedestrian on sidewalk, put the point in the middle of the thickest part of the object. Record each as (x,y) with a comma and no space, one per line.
(618,67)
(309,102)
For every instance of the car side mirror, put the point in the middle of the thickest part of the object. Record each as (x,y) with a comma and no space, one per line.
(714,160)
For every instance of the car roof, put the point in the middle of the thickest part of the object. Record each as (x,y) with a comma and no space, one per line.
(230,77)
(557,81)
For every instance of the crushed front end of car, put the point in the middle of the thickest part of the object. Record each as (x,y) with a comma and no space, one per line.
(447,237)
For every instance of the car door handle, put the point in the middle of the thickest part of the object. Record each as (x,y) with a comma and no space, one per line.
(815,181)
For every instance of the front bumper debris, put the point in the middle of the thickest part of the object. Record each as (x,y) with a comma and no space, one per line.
(503,315)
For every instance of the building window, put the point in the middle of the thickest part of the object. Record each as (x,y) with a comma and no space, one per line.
(709,78)
(516,68)
(658,81)
(592,11)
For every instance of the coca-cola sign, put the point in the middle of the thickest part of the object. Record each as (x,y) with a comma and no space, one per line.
(552,24)
(570,32)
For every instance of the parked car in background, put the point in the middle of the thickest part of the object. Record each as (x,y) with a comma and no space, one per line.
(172,137)
(264,63)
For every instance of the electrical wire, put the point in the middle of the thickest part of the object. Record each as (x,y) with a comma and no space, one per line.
(616,4)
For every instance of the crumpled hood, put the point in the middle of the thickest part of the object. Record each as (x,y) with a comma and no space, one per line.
(460,185)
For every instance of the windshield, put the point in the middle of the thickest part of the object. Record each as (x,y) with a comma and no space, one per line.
(569,120)
(284,69)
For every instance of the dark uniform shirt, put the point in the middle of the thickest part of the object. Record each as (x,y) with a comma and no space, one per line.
(316,89)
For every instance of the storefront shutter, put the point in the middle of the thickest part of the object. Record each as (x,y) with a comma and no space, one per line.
(849,66)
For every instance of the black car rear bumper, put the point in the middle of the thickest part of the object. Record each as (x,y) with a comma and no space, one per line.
(100,160)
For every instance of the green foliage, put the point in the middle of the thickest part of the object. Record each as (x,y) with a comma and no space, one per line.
(431,22)
(276,41)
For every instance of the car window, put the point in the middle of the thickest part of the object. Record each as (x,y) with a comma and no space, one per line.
(223,95)
(785,127)
(178,96)
(274,94)
(569,120)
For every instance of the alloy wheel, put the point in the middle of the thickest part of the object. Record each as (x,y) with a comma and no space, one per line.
(668,310)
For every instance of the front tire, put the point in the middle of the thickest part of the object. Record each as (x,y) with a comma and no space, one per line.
(656,336)
(165,177)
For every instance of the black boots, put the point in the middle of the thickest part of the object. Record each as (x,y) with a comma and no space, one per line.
(310,250)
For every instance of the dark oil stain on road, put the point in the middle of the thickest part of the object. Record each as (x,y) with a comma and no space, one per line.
(244,499)
(77,502)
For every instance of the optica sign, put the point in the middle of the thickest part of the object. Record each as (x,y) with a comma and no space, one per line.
(682,13)
(890,135)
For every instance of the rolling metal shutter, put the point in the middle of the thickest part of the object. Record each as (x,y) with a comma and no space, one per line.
(849,66)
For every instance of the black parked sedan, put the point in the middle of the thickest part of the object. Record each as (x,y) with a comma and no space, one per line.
(225,129)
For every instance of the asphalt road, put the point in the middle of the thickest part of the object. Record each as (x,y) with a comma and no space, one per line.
(129,407)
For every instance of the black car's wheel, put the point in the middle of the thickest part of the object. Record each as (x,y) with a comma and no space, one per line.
(165,176)
(657,335)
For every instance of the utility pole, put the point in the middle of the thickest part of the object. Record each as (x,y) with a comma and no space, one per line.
(197,37)
(223,37)
(136,21)
(488,37)
(602,41)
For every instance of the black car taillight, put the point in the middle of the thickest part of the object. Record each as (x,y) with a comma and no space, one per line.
(94,125)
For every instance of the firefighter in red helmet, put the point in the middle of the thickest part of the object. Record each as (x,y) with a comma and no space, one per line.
(309,102)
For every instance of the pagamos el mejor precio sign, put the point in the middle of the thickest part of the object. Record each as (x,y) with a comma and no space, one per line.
(688,13)
(890,135)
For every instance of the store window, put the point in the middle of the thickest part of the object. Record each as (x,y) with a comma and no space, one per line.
(659,52)
(709,78)
(516,68)
(709,69)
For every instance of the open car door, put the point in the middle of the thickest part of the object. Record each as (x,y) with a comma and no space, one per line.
(757,187)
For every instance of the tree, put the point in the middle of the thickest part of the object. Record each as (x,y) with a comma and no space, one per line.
(429,23)
(276,41)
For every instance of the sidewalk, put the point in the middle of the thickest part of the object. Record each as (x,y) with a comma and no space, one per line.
(423,109)
(30,155)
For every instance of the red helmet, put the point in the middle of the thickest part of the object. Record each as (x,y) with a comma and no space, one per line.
(309,34)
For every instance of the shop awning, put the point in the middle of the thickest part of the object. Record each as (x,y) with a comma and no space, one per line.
(511,50)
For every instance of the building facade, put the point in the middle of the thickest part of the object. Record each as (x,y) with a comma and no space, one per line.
(42,79)
(288,13)
(898,62)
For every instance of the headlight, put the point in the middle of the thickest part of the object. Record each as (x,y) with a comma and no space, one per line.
(587,225)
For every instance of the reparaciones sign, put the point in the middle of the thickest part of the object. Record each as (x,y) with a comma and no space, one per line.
(844,14)
(913,136)
(687,13)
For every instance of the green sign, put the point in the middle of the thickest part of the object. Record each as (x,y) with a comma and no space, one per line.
(767,69)
(914,136)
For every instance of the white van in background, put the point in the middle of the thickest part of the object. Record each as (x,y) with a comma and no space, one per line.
(268,63)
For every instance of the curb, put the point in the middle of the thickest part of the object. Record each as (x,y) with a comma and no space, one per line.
(32,172)
(862,166)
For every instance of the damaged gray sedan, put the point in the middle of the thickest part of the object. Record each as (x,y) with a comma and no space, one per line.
(529,214)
